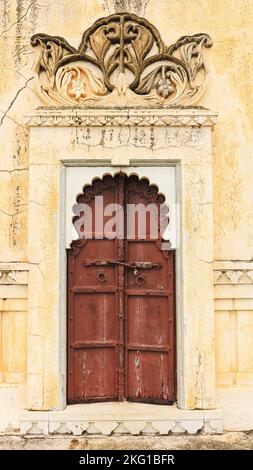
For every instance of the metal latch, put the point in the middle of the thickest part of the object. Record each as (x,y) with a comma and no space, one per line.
(135,265)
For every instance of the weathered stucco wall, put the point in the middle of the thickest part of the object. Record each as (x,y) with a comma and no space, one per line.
(229,92)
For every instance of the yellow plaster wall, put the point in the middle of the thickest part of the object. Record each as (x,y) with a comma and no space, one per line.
(230,62)
(13,323)
(230,92)
(13,331)
(234,326)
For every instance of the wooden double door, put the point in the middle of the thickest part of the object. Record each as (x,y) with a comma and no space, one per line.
(121,319)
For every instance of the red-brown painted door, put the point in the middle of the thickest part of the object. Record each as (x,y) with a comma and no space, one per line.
(149,340)
(121,320)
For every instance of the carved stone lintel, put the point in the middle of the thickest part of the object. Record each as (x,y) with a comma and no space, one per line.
(121,61)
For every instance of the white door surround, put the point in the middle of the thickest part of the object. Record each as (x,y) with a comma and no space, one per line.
(164,139)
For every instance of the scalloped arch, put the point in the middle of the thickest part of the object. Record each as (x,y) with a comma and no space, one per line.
(140,185)
(119,172)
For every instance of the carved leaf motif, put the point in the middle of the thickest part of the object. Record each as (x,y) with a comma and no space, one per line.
(73,83)
(113,61)
(141,40)
(99,43)
(192,55)
(51,54)
(52,50)
(77,84)
(190,50)
(166,81)
(133,66)
(149,81)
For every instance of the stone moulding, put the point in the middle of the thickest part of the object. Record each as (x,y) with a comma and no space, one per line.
(121,60)
(233,272)
(112,428)
(177,422)
(233,276)
(107,117)
(13,274)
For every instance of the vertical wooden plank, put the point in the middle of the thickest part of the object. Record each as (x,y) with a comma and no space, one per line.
(121,283)
(172,325)
(150,329)
(93,336)
(70,325)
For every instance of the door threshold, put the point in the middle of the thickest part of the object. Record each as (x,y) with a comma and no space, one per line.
(126,418)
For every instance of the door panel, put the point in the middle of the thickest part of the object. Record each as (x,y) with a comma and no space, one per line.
(94,318)
(147,321)
(149,333)
(94,374)
(154,279)
(120,319)
(148,377)
(95,249)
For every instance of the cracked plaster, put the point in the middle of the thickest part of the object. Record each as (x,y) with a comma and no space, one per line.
(232,139)
(187,145)
(231,149)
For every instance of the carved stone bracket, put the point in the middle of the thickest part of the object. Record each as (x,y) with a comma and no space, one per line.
(121,61)
(176,422)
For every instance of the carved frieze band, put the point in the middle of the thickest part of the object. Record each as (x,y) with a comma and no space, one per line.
(108,118)
(233,276)
(13,275)
(121,61)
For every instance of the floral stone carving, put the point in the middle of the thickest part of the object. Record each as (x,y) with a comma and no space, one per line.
(121,61)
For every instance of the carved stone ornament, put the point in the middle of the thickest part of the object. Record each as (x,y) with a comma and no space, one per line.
(121,61)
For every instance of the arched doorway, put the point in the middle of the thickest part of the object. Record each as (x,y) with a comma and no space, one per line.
(121,309)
